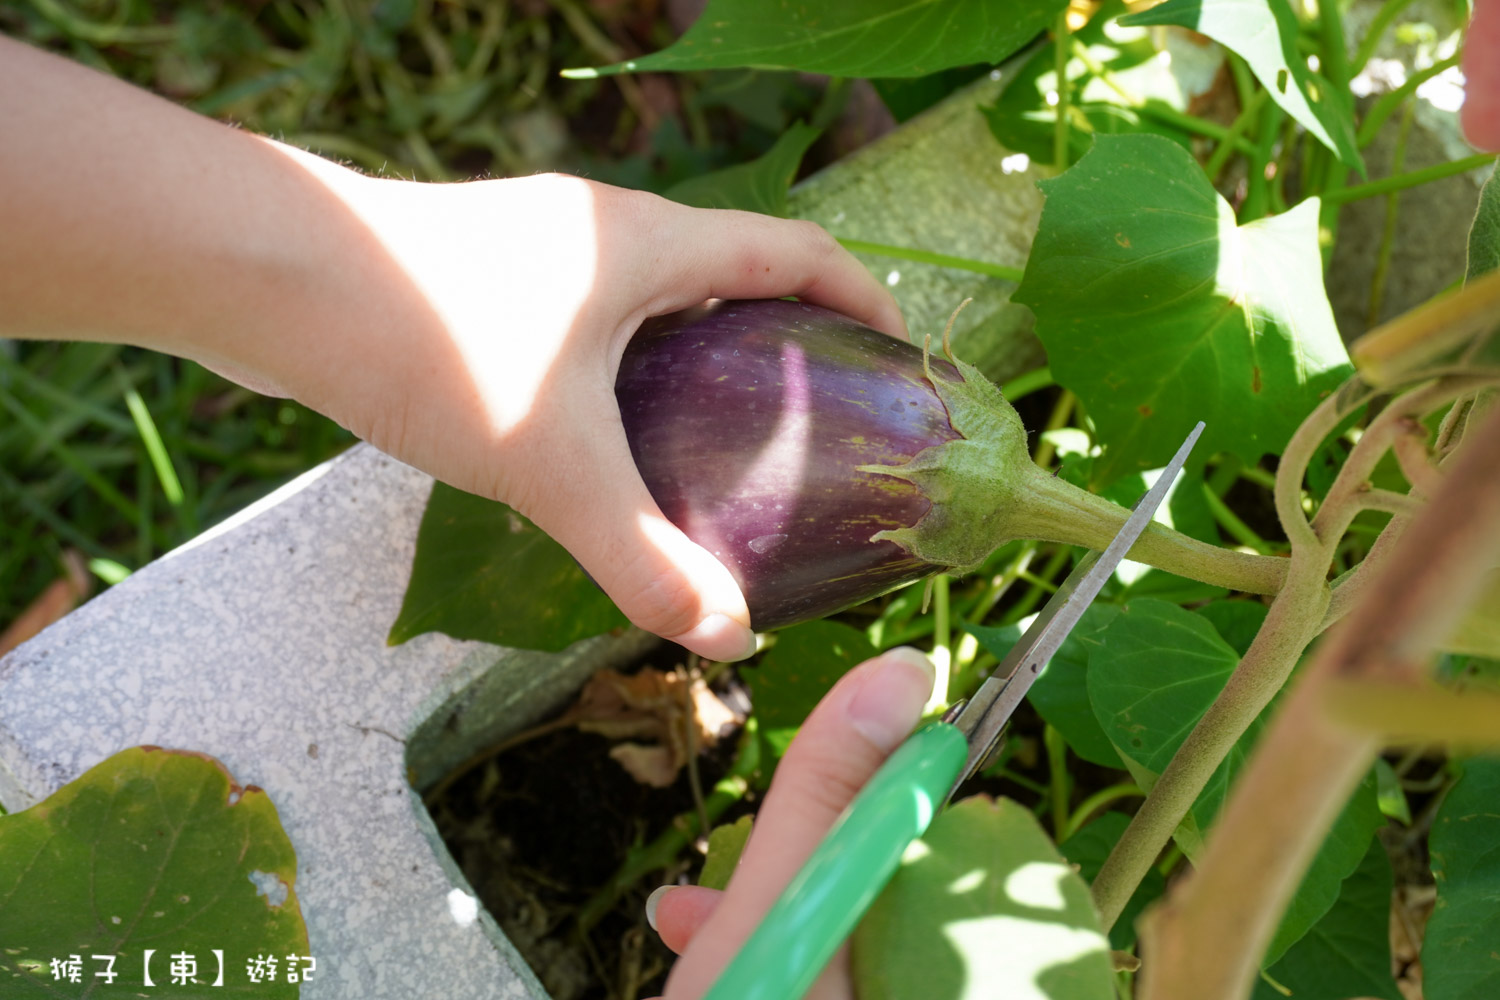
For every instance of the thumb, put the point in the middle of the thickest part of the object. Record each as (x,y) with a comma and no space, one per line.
(602,513)
(843,742)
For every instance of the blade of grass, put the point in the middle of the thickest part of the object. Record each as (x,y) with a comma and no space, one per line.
(161,462)
(66,456)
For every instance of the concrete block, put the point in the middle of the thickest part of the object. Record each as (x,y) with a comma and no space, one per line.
(262,643)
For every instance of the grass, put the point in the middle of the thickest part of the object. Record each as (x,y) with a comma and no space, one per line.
(122,454)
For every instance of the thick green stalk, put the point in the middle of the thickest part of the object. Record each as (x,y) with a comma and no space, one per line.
(1293,621)
(1058,511)
(986,491)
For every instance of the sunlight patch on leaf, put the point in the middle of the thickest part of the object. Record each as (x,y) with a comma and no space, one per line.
(1264,33)
(1020,925)
(1159,311)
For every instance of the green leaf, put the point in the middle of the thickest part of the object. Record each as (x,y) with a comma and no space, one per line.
(1158,311)
(1024,121)
(1060,693)
(983,906)
(1484,234)
(1463,670)
(151,849)
(1461,949)
(907,98)
(1347,953)
(725,845)
(1237,622)
(1088,849)
(484,572)
(888,38)
(1155,669)
(1389,793)
(798,671)
(1264,34)
(758,186)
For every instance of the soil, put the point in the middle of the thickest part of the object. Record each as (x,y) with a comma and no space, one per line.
(541,828)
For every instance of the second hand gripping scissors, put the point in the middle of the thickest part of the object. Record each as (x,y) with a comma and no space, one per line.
(821,905)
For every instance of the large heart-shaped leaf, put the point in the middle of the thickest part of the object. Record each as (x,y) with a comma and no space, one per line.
(1265,33)
(151,855)
(1484,234)
(1088,849)
(1154,671)
(1461,950)
(983,906)
(892,38)
(484,572)
(1347,953)
(1159,311)
(1060,693)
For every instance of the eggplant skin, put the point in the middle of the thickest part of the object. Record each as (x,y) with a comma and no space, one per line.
(749,421)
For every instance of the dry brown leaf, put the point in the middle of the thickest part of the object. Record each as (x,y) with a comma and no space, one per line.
(655,765)
(653,706)
(60,597)
(1411,905)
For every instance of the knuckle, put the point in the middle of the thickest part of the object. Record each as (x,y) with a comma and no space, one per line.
(818,240)
(825,780)
(663,602)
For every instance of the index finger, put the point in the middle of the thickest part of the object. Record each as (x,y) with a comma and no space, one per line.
(743,255)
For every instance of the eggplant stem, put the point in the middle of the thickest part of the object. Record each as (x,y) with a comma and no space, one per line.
(948,331)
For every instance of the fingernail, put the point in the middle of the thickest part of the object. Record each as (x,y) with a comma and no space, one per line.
(890,701)
(653,900)
(718,637)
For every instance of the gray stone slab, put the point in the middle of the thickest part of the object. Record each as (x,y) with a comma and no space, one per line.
(262,643)
(941,182)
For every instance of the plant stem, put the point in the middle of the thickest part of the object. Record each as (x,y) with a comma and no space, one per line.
(1055,421)
(1388,231)
(1231,522)
(1089,806)
(680,832)
(1208,938)
(1411,178)
(1227,148)
(1058,511)
(1155,109)
(929,257)
(1388,12)
(1061,42)
(1025,385)
(1258,185)
(1387,104)
(1057,771)
(1292,622)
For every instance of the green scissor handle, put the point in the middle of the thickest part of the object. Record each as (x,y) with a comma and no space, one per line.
(820,906)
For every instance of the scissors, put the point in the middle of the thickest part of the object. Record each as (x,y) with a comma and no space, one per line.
(820,906)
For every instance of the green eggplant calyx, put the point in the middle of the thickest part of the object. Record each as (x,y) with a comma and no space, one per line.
(975,482)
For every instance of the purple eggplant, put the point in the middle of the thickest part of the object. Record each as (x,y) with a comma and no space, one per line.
(825,463)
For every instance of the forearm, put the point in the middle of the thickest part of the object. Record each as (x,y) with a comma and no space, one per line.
(125,218)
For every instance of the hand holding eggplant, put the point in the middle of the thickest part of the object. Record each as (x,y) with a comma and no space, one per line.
(472,330)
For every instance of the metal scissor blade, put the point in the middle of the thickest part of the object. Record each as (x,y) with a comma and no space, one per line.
(984,716)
